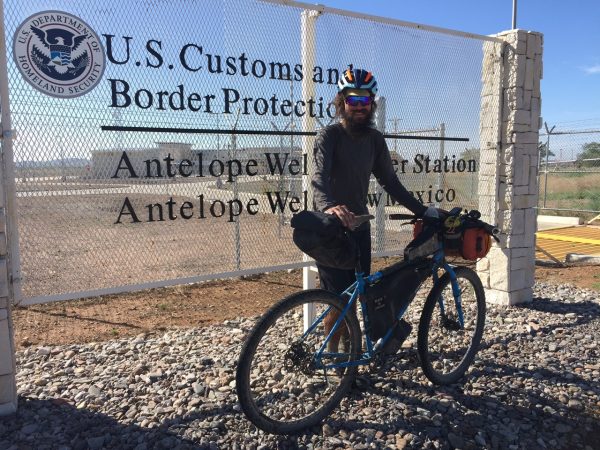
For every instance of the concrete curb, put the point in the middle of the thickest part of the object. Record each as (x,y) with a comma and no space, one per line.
(559,221)
(587,259)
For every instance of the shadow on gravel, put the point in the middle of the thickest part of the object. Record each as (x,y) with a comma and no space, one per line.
(513,417)
(266,280)
(44,424)
(63,315)
(518,411)
(585,310)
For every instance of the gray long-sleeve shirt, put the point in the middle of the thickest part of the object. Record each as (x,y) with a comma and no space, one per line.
(343,165)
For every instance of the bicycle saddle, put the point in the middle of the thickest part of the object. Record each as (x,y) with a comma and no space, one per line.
(359,220)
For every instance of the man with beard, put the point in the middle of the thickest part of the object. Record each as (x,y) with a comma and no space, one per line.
(345,155)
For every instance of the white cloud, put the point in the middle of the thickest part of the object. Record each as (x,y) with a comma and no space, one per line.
(592,70)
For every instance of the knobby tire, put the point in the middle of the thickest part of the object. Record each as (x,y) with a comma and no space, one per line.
(447,361)
(271,389)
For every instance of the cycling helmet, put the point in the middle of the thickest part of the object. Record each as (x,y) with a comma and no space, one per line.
(357,79)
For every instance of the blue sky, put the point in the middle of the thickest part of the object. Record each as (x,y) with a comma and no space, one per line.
(570,87)
(571,83)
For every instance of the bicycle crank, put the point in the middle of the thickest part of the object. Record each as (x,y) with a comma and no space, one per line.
(299,356)
(450,324)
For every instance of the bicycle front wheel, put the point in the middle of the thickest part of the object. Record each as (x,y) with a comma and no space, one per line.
(286,379)
(449,331)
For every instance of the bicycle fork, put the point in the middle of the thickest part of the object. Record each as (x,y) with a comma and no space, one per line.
(456,293)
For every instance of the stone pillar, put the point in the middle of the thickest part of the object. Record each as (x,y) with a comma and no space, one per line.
(511,105)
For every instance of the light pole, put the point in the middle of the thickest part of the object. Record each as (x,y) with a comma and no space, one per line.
(548,133)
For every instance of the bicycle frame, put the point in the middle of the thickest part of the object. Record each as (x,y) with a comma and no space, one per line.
(358,287)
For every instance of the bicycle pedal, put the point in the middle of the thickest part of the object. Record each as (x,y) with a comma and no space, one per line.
(377,364)
(361,384)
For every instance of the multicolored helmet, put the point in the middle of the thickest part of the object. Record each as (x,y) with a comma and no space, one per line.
(357,79)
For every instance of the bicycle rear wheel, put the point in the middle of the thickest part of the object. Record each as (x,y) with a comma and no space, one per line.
(282,382)
(446,346)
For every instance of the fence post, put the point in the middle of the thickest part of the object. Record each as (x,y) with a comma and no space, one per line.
(441,176)
(508,171)
(8,243)
(380,118)
(309,20)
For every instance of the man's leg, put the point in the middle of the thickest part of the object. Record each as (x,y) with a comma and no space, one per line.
(335,281)
(338,280)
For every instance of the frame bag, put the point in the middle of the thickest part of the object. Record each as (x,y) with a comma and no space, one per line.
(387,297)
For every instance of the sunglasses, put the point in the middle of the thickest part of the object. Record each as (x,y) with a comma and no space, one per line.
(358,100)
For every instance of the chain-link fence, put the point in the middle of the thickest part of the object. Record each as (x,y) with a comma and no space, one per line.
(569,175)
(192,151)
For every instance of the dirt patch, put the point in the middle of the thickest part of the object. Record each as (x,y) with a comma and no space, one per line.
(582,276)
(156,310)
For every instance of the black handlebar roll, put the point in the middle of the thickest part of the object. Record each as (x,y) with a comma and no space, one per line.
(402,216)
(489,229)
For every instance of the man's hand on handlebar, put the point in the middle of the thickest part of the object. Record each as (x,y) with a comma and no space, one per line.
(431,212)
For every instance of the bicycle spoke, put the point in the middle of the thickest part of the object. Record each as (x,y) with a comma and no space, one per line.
(446,347)
(288,379)
(279,376)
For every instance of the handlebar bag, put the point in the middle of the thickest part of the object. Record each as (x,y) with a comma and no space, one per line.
(424,244)
(476,243)
(470,242)
(323,237)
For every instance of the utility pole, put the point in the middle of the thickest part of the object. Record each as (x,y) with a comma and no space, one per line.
(395,121)
(548,133)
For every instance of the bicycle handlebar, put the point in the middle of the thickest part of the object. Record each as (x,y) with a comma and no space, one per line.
(359,220)
(472,220)
(402,216)
(491,230)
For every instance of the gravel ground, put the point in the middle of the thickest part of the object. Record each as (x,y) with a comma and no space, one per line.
(535,385)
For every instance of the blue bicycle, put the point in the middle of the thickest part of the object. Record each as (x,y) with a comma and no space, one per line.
(290,376)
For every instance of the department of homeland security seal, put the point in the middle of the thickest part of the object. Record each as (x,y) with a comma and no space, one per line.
(59,54)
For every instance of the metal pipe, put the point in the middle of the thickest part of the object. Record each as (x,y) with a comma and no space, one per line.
(546,169)
(560,161)
(567,209)
(342,12)
(583,172)
(514,15)
(548,133)
(308,50)
(573,132)
(380,119)
(10,188)
(441,178)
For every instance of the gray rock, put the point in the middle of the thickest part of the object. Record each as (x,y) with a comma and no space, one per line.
(177,390)
(30,428)
(455,441)
(95,443)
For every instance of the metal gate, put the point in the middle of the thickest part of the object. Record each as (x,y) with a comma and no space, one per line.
(160,143)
